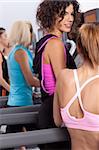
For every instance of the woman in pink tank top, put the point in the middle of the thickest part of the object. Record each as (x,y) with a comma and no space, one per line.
(54,17)
(76,100)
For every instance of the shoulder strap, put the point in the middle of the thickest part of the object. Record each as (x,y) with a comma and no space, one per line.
(78,88)
(88,81)
(76,80)
(43,41)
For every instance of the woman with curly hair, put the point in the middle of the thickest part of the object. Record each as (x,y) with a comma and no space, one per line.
(54,17)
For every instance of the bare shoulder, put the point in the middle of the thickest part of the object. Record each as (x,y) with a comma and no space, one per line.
(20,55)
(20,51)
(66,74)
(65,77)
(55,41)
(54,44)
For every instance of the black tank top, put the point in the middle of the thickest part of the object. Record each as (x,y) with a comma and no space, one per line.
(37,62)
(5,75)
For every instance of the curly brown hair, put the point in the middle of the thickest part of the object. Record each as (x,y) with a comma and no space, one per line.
(48,10)
(72,35)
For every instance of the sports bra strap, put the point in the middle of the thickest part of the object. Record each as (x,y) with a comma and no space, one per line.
(89,80)
(78,88)
(46,42)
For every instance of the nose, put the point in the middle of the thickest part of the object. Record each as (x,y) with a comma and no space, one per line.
(70,18)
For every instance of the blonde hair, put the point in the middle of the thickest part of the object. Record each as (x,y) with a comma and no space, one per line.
(20,33)
(30,26)
(88,42)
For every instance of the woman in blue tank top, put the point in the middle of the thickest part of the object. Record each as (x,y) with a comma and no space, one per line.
(20,66)
(20,70)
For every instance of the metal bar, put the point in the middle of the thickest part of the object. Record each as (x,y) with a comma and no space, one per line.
(33,137)
(3,97)
(19,109)
(3,101)
(18,118)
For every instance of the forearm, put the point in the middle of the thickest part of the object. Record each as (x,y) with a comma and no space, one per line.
(4,84)
(36,82)
(32,80)
(56,110)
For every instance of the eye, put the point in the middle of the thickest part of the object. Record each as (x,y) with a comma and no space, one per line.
(72,14)
(66,13)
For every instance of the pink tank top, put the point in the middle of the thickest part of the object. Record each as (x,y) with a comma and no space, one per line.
(48,79)
(90,121)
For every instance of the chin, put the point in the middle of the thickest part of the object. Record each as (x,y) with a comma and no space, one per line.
(67,30)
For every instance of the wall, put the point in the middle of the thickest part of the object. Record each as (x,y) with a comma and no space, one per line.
(11,10)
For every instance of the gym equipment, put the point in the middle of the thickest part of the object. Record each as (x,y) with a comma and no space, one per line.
(11,110)
(91,16)
(18,118)
(33,137)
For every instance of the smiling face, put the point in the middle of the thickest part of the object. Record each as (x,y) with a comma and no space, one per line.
(67,22)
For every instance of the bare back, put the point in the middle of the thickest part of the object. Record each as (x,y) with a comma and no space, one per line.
(81,139)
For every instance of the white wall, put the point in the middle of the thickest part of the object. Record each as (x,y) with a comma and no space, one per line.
(11,10)
(88,4)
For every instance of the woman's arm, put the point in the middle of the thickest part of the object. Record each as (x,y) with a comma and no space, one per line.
(56,109)
(22,58)
(61,96)
(57,55)
(2,80)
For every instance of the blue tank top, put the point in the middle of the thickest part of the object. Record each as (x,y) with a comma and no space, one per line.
(20,92)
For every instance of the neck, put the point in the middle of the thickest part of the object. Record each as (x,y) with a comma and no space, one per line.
(57,33)
(88,66)
(1,48)
(6,51)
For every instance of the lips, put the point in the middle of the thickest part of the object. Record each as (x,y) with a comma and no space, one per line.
(68,25)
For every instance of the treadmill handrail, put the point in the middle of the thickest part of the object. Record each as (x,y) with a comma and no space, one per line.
(21,109)
(33,137)
(18,118)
